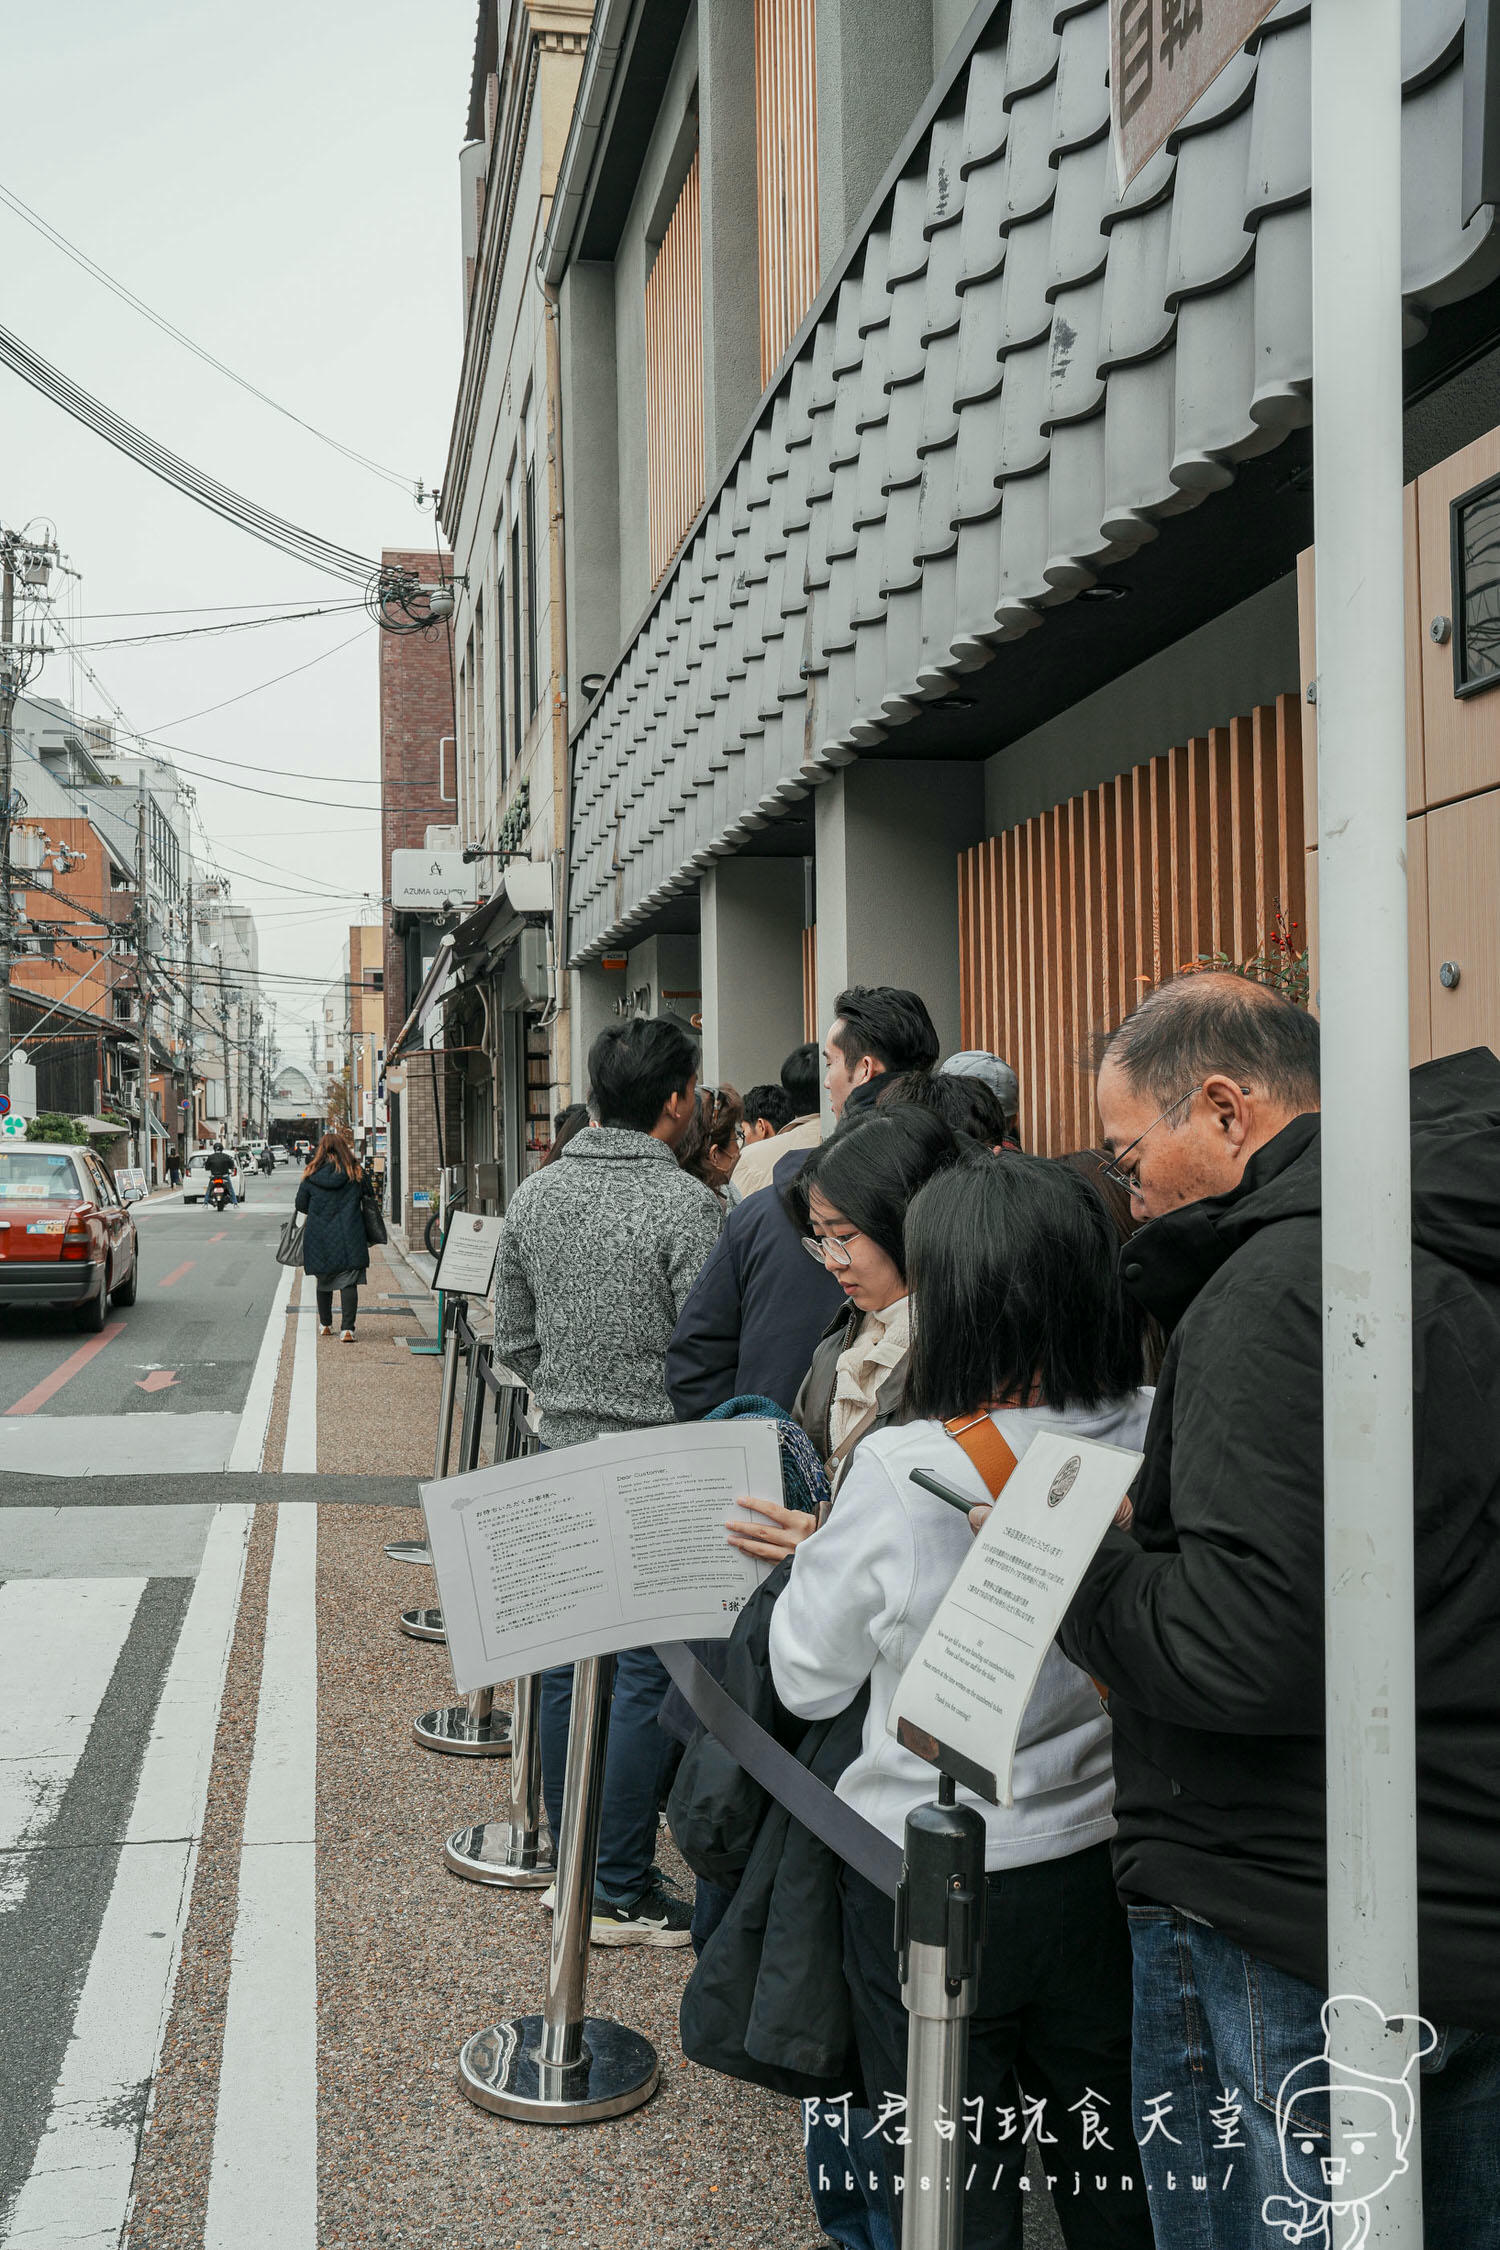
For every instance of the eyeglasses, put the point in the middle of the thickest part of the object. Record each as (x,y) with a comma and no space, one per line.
(829,1250)
(1111,1166)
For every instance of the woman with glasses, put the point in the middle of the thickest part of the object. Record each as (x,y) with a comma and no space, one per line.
(849,1202)
(1020,1320)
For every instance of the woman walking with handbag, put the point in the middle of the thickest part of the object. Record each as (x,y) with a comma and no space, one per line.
(335,1241)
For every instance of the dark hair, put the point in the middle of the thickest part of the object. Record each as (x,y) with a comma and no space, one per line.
(1089,1164)
(1012,1273)
(1217,1020)
(565,1125)
(334,1148)
(717,1113)
(769,1105)
(871,1168)
(888,1022)
(802,1076)
(635,1068)
(965,1105)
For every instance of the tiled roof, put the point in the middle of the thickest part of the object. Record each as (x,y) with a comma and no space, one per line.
(1021,378)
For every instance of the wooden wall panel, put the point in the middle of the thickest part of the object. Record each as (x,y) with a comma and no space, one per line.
(810,1026)
(1067,920)
(786,141)
(674,378)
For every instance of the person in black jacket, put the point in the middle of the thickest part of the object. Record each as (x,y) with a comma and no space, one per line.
(1206,1621)
(334,1249)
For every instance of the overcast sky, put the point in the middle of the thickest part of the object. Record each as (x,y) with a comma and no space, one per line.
(282,183)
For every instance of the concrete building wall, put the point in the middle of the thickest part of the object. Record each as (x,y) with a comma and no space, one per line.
(591,475)
(1244,658)
(875,66)
(889,833)
(731,252)
(750,944)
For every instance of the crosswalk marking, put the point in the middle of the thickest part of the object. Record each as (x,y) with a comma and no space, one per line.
(78,2192)
(60,1640)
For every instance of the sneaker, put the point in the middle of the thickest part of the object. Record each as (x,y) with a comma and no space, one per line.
(347,1337)
(325,1331)
(658,1881)
(548,1900)
(653,1919)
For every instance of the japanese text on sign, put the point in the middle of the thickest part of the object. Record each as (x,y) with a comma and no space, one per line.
(1162,55)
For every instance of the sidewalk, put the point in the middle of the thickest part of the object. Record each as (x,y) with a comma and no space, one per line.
(409,1959)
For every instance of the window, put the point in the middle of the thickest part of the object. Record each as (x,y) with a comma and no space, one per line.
(532,668)
(377,980)
(674,378)
(1476,588)
(461,748)
(786,166)
(502,722)
(476,725)
(517,728)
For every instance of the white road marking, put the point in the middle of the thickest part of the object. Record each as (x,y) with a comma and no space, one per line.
(116,1445)
(79,2189)
(264,2182)
(60,1640)
(165,1541)
(250,1438)
(300,1451)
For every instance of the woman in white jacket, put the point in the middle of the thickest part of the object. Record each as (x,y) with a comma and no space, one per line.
(1018,1312)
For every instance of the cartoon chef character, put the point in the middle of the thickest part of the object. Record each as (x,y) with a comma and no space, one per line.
(1337,2168)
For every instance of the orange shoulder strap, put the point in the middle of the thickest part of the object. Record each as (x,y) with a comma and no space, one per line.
(986,1448)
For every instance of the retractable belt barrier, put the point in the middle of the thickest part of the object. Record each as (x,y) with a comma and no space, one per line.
(473,1728)
(563,2066)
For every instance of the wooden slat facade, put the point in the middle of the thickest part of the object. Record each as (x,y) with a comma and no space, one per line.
(786,137)
(810,982)
(1066,920)
(674,377)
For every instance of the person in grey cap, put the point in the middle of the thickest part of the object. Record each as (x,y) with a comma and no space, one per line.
(977,1062)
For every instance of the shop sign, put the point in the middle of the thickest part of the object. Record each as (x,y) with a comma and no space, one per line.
(1162,55)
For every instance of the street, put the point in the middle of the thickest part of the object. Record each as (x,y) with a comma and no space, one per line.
(225,1923)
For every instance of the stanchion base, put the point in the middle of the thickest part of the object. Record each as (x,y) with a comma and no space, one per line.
(502,2070)
(454,1731)
(494,1852)
(409,1550)
(422,1624)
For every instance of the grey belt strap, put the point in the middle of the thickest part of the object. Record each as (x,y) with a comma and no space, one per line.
(857,1841)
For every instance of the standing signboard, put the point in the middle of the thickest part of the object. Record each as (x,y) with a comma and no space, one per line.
(467,1265)
(1162,55)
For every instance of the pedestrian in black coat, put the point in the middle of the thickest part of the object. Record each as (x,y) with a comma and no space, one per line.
(334,1248)
(1206,1620)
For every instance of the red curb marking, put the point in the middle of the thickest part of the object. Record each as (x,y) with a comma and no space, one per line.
(224,1237)
(51,1384)
(177,1273)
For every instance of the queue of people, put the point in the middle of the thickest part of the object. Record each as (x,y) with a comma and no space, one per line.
(915,1292)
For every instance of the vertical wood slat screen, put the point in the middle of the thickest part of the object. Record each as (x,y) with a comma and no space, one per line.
(674,377)
(786,147)
(810,983)
(1067,920)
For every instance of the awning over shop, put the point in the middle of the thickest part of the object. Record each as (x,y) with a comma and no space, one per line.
(438,980)
(523,893)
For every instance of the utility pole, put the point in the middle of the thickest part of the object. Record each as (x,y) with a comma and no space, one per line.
(187,1036)
(142,1003)
(10,683)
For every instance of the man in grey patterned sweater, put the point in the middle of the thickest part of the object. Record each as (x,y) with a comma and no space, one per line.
(599,1252)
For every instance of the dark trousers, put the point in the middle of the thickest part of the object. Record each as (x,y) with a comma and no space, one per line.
(348,1305)
(1049,2052)
(636,1763)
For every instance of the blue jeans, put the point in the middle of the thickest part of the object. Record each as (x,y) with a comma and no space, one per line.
(635,1763)
(1216,2032)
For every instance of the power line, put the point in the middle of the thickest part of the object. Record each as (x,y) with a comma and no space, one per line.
(245,515)
(275,681)
(233,625)
(169,328)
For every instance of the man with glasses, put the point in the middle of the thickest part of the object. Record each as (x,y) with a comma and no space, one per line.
(1206,1620)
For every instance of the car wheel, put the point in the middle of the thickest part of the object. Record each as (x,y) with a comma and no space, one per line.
(125,1294)
(90,1316)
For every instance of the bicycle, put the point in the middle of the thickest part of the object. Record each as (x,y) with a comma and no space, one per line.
(435,1231)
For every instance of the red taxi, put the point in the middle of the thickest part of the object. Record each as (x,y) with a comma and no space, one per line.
(65,1236)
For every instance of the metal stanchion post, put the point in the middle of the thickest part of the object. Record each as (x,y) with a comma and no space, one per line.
(473,1728)
(510,1852)
(939,1936)
(416,1550)
(562,2067)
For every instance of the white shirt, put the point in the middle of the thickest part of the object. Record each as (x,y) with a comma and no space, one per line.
(864,1589)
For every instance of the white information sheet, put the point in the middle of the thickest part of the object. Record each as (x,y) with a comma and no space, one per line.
(596,1547)
(964,1694)
(470,1247)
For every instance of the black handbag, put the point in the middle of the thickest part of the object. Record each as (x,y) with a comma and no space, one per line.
(289,1248)
(373,1217)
